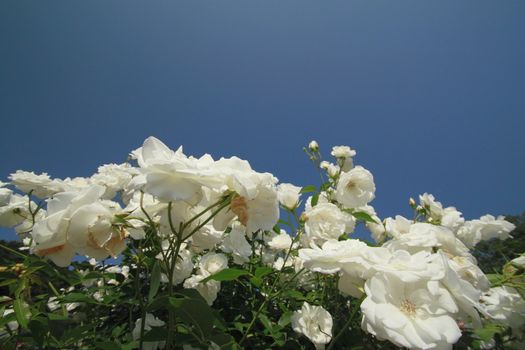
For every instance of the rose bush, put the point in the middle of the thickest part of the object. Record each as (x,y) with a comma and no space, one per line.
(169,251)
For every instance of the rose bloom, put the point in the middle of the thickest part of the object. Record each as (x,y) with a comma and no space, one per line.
(78,222)
(288,195)
(41,185)
(343,152)
(355,188)
(487,227)
(325,221)
(414,315)
(315,323)
(282,241)
(211,263)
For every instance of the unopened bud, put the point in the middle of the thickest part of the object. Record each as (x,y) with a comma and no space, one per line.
(519,262)
(313,146)
(412,202)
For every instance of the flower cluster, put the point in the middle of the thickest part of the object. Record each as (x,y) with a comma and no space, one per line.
(201,224)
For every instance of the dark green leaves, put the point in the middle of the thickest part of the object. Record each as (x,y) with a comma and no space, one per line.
(22,313)
(360,215)
(108,345)
(155,281)
(78,298)
(315,199)
(488,331)
(308,189)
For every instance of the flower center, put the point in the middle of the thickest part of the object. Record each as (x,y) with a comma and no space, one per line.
(350,185)
(408,307)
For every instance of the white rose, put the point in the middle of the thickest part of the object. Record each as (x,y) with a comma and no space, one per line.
(279,264)
(413,268)
(466,296)
(14,208)
(505,304)
(398,226)
(258,213)
(173,176)
(325,221)
(282,241)
(208,290)
(487,227)
(343,152)
(467,269)
(78,222)
(434,207)
(452,218)
(315,323)
(114,177)
(355,188)
(211,263)
(352,255)
(288,195)
(41,185)
(413,315)
(235,242)
(206,238)
(424,236)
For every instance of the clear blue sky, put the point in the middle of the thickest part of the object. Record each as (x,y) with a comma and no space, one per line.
(430,93)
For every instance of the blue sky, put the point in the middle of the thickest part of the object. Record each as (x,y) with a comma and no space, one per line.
(430,93)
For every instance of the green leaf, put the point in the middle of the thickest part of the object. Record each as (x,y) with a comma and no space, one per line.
(360,215)
(262,271)
(77,333)
(315,199)
(22,313)
(77,298)
(494,278)
(226,275)
(107,345)
(158,303)
(56,317)
(192,309)
(130,346)
(295,294)
(155,281)
(488,331)
(285,319)
(308,189)
(256,281)
(266,322)
(39,328)
(156,334)
(325,186)
(8,282)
